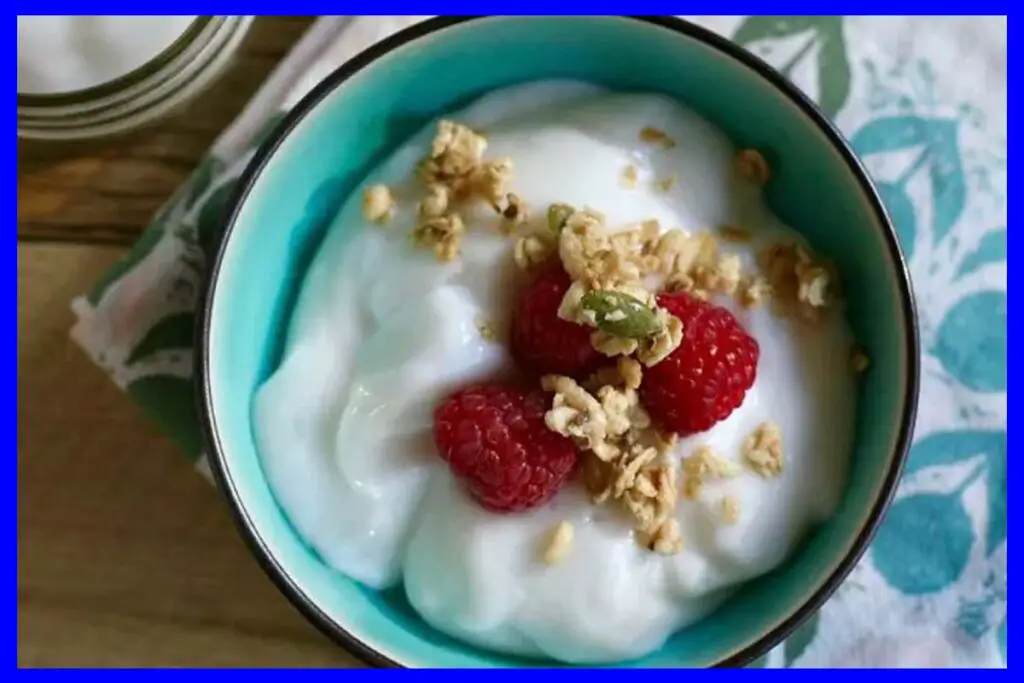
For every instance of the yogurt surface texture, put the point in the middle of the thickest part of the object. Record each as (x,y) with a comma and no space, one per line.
(382,332)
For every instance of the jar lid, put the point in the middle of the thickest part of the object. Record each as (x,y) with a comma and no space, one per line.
(169,80)
(75,57)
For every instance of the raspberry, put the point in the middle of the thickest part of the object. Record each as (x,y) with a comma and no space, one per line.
(494,438)
(541,342)
(707,377)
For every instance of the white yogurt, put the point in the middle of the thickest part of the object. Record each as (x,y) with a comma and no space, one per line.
(60,54)
(382,331)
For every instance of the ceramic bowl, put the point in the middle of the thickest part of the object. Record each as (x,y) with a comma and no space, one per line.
(369,106)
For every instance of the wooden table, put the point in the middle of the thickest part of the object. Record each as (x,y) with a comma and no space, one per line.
(126,557)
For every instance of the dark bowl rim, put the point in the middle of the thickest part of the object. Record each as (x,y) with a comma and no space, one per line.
(248,528)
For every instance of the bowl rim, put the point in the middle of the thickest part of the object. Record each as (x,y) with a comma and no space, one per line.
(249,529)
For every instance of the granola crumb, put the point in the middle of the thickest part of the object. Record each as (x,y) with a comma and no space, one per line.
(442,234)
(650,231)
(661,346)
(612,346)
(574,412)
(455,152)
(730,510)
(800,285)
(490,179)
(378,204)
(630,371)
(531,251)
(486,329)
(513,209)
(752,167)
(667,540)
(627,373)
(735,234)
(722,277)
(753,291)
(665,184)
(656,136)
(813,285)
(559,542)
(681,255)
(702,465)
(762,450)
(435,204)
(630,176)
(859,360)
(730,272)
(680,282)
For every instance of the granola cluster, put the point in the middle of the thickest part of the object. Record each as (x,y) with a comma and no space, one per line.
(378,204)
(615,274)
(454,174)
(626,458)
(801,286)
(762,450)
(610,268)
(702,465)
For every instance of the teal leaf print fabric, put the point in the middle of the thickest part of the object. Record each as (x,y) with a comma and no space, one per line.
(935,145)
(971,341)
(822,40)
(936,150)
(991,249)
(925,543)
(923,102)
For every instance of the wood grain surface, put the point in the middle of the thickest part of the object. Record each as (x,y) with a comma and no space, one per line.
(126,557)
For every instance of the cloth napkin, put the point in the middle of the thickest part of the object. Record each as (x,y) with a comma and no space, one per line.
(923,100)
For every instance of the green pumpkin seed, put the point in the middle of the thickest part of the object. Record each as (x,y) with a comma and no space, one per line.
(621,315)
(558,216)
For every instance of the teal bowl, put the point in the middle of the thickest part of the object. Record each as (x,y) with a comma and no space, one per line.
(320,153)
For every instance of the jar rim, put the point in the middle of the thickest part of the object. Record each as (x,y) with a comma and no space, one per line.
(127,80)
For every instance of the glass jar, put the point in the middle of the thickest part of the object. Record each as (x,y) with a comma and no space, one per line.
(167,81)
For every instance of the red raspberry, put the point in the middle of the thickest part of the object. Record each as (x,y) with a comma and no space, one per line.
(541,342)
(494,438)
(706,378)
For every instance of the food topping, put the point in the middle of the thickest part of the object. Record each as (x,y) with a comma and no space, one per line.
(859,360)
(494,439)
(541,341)
(630,175)
(378,204)
(706,378)
(640,295)
(704,464)
(800,285)
(624,456)
(752,167)
(442,234)
(730,510)
(762,450)
(559,543)
(656,136)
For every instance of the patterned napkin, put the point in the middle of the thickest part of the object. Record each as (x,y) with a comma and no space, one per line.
(923,100)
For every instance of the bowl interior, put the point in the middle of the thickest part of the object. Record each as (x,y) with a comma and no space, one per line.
(353,125)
